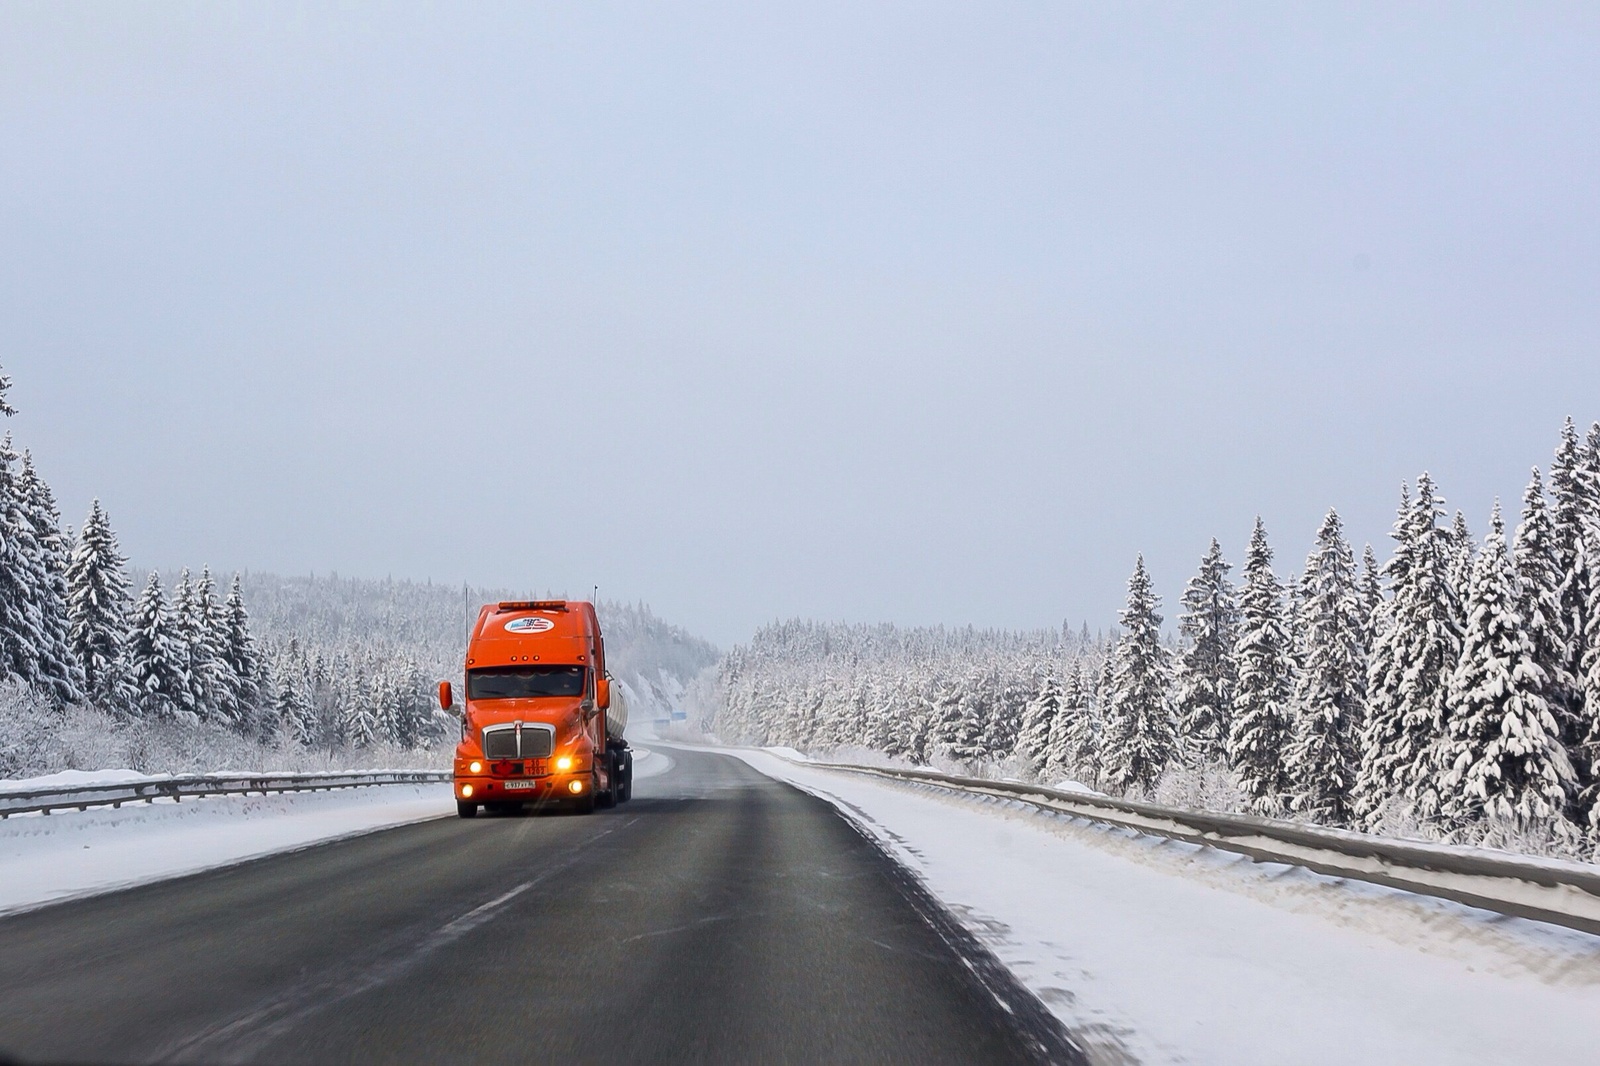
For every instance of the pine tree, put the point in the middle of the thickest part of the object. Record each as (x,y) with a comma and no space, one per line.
(151,666)
(22,576)
(1369,598)
(216,696)
(1419,646)
(1538,587)
(188,649)
(1586,753)
(1330,691)
(948,735)
(361,724)
(5,386)
(1005,704)
(1503,753)
(243,665)
(1262,726)
(1039,721)
(1139,739)
(97,610)
(1462,551)
(1206,674)
(295,709)
(1074,739)
(970,742)
(1572,501)
(61,676)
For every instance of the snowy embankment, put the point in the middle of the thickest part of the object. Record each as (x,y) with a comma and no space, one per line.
(1157,951)
(647,762)
(44,858)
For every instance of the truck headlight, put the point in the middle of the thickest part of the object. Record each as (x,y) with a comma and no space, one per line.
(474,767)
(564,763)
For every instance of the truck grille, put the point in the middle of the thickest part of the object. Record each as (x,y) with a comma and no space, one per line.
(500,742)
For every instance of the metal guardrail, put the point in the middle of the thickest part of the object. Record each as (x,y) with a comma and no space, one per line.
(1546,890)
(82,797)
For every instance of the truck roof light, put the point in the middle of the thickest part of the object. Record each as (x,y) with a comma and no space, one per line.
(531,605)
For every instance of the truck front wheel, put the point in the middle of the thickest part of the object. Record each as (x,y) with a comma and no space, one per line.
(584,804)
(466,810)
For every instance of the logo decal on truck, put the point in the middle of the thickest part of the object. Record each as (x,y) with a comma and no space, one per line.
(529,625)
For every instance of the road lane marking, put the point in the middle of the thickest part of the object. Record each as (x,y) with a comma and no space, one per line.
(242,1038)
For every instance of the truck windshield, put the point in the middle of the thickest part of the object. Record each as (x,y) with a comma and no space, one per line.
(523,682)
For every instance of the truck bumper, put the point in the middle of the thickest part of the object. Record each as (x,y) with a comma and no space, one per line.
(480,789)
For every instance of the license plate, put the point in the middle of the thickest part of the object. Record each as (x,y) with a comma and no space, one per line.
(510,785)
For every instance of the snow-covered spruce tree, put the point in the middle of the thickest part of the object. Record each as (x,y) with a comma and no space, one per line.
(1329,708)
(1258,744)
(1411,664)
(1572,500)
(1206,674)
(1138,738)
(5,386)
(917,743)
(406,717)
(970,741)
(295,708)
(1074,739)
(947,731)
(1005,704)
(1503,752)
(22,576)
(1039,721)
(216,692)
(1463,549)
(189,649)
(1369,598)
(361,717)
(61,676)
(1586,755)
(159,689)
(98,604)
(243,665)
(1538,588)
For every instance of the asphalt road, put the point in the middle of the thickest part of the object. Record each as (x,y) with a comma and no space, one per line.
(719,917)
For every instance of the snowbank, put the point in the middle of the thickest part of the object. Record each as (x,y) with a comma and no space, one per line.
(1157,951)
(50,857)
(647,762)
(79,778)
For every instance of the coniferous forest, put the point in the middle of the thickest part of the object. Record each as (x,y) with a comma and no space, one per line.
(1451,692)
(178,672)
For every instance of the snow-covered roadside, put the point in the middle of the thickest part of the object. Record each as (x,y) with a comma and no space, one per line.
(648,762)
(79,779)
(50,857)
(1162,952)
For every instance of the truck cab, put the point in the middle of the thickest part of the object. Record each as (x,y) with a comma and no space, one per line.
(540,726)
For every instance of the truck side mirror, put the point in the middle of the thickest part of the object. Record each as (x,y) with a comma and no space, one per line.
(602,692)
(447,698)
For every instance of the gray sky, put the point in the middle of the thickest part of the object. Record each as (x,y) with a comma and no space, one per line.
(917,312)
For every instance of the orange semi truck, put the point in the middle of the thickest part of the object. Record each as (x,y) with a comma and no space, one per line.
(540,726)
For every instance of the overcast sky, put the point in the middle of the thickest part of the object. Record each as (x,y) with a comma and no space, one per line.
(913,312)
